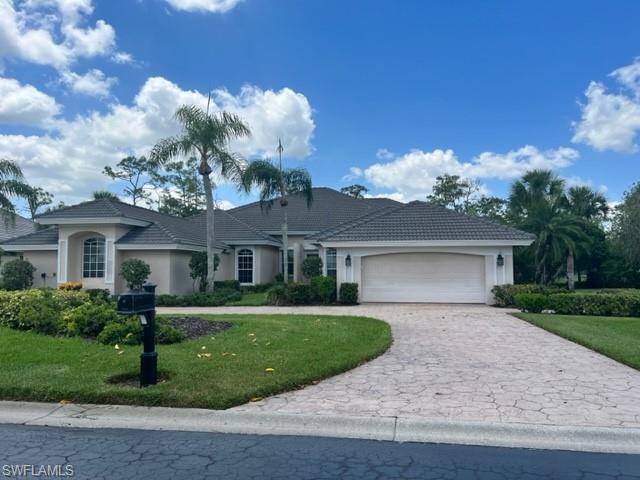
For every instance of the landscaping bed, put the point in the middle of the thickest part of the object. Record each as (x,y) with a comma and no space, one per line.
(194,327)
(260,355)
(615,337)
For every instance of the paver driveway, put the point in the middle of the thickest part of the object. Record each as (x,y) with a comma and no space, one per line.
(475,363)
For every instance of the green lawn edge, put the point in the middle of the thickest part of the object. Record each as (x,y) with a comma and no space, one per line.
(615,337)
(304,349)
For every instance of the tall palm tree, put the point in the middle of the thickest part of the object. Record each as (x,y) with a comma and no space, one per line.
(277,184)
(12,184)
(583,202)
(536,189)
(207,137)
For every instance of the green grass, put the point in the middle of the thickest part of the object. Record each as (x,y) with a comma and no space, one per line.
(300,349)
(250,300)
(615,337)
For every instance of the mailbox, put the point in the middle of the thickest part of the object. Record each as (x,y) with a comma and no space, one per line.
(136,302)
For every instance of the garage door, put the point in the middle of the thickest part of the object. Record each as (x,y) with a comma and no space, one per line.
(423,277)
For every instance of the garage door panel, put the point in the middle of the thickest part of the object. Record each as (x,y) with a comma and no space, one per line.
(423,277)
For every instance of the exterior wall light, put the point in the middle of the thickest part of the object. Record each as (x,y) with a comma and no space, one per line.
(500,260)
(347,261)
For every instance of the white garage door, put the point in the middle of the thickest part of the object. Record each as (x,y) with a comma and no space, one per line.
(423,277)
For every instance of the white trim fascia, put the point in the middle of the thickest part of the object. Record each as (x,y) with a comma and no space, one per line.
(253,242)
(87,221)
(429,243)
(29,248)
(162,246)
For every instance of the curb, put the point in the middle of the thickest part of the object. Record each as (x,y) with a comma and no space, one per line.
(397,429)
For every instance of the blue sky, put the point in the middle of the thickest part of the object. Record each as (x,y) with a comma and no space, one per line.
(385,93)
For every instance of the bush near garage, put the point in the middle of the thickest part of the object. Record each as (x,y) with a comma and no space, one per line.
(595,304)
(319,291)
(505,295)
(349,293)
(300,294)
(216,299)
(17,275)
(324,289)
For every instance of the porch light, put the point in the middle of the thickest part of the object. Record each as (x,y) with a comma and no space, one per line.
(347,261)
(500,260)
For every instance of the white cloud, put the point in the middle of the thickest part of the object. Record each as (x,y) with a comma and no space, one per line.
(610,121)
(212,6)
(25,104)
(412,176)
(354,172)
(384,154)
(122,58)
(67,161)
(93,83)
(224,204)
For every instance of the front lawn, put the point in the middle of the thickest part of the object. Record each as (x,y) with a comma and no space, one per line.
(250,299)
(615,337)
(220,371)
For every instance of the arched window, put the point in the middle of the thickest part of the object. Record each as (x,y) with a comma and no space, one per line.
(93,258)
(245,266)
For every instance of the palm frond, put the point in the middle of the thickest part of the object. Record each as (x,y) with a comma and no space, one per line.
(298,180)
(10,169)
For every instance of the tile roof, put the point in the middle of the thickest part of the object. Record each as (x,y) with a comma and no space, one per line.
(17,227)
(421,221)
(329,208)
(45,236)
(230,229)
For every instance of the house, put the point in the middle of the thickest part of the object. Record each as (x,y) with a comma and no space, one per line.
(396,252)
(15,227)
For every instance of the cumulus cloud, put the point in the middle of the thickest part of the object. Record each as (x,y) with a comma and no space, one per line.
(412,175)
(211,6)
(354,172)
(93,83)
(56,33)
(25,104)
(611,121)
(67,159)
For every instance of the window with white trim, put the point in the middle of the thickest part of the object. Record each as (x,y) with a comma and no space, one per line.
(93,258)
(245,266)
(332,265)
(289,263)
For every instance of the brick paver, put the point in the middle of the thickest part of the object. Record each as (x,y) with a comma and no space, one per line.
(475,363)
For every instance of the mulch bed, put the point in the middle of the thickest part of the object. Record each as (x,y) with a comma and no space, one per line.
(194,327)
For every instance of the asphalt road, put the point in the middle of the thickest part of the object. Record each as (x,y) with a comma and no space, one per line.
(138,454)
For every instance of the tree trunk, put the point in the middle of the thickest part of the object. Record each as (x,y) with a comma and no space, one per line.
(285,243)
(211,239)
(570,272)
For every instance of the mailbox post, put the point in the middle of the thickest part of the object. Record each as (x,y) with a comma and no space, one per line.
(143,303)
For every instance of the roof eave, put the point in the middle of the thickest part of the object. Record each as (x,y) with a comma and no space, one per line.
(25,247)
(93,221)
(423,243)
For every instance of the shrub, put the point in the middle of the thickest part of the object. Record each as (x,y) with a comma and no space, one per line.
(258,288)
(227,285)
(505,294)
(67,299)
(199,268)
(324,289)
(40,313)
(70,286)
(279,278)
(277,294)
(126,332)
(98,294)
(531,302)
(166,300)
(88,319)
(349,293)
(299,294)
(312,267)
(166,334)
(17,274)
(597,304)
(135,272)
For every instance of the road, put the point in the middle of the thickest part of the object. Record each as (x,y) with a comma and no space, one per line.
(139,454)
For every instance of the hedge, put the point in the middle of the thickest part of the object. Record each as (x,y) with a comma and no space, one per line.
(505,295)
(319,291)
(595,304)
(349,293)
(218,298)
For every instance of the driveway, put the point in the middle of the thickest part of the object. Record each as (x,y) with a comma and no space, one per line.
(465,363)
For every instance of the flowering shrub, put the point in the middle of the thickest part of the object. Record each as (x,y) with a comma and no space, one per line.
(70,286)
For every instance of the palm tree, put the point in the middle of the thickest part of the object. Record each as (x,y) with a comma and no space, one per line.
(99,194)
(206,136)
(277,184)
(536,189)
(11,185)
(583,202)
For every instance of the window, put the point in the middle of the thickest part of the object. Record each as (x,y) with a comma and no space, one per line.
(289,263)
(93,258)
(332,266)
(311,253)
(245,266)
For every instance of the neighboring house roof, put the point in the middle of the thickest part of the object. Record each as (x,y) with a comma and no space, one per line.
(231,230)
(328,209)
(46,236)
(16,227)
(421,221)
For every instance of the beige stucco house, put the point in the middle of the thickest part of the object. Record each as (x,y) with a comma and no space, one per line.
(415,252)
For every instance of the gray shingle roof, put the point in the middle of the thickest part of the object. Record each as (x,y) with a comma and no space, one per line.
(329,208)
(421,221)
(17,227)
(46,236)
(230,229)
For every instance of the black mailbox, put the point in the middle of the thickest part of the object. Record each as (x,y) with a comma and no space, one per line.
(136,302)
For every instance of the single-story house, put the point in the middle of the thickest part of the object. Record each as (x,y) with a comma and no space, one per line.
(396,252)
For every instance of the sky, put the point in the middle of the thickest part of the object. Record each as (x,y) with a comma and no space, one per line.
(388,94)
